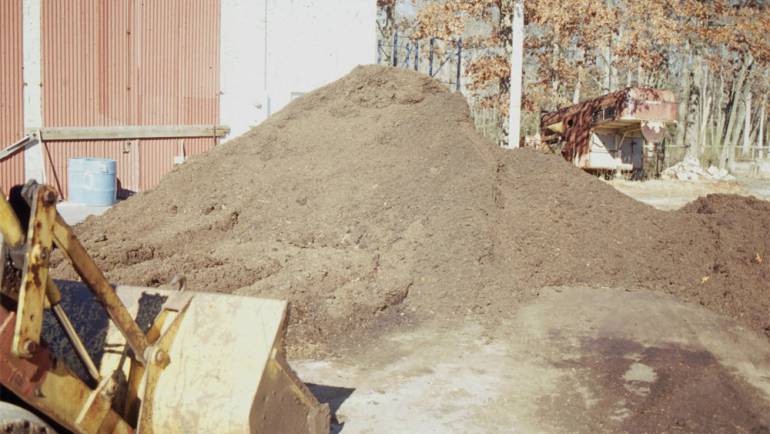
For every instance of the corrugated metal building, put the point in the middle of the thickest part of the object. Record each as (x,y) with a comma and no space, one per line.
(145,82)
(113,63)
(108,63)
(11,92)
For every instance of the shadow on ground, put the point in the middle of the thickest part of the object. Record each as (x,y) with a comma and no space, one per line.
(334,396)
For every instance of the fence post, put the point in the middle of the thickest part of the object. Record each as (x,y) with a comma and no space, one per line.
(395,48)
(514,88)
(459,60)
(416,55)
(430,58)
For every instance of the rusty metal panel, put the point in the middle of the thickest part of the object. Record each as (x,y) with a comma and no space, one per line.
(650,105)
(156,158)
(86,63)
(130,62)
(178,79)
(11,91)
(198,145)
(613,110)
(178,82)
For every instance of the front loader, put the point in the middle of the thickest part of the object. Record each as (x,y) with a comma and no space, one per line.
(88,357)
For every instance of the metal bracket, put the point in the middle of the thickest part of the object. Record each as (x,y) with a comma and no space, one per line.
(16,147)
(157,357)
(29,323)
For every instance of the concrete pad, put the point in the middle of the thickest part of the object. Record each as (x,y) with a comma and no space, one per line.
(74,213)
(573,360)
(667,194)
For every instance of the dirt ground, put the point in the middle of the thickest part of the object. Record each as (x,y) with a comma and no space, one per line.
(373,204)
(414,254)
(575,360)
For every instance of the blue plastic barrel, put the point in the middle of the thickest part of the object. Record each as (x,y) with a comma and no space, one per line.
(92,181)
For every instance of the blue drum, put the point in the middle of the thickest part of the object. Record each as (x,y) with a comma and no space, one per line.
(92,181)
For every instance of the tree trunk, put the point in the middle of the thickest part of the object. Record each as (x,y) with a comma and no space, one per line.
(684,108)
(761,136)
(555,50)
(606,55)
(746,148)
(719,118)
(387,30)
(730,136)
(739,126)
(705,109)
(706,112)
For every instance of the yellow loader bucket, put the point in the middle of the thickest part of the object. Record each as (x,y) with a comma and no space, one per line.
(227,371)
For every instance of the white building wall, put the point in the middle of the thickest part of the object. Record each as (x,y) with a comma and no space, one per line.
(242,64)
(34,167)
(274,50)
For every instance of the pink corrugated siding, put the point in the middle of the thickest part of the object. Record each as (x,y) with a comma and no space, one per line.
(178,80)
(11,92)
(86,63)
(86,49)
(131,62)
(159,154)
(198,146)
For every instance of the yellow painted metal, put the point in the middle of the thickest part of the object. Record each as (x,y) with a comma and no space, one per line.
(61,395)
(94,278)
(131,401)
(10,228)
(158,360)
(557,127)
(282,397)
(26,337)
(209,363)
(64,397)
(227,373)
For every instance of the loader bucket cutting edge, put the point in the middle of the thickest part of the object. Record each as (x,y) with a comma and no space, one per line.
(228,372)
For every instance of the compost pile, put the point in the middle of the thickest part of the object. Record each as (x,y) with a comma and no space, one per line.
(372,202)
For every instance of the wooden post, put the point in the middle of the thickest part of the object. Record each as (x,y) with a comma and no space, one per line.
(517,57)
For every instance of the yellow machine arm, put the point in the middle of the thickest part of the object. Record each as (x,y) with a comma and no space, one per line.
(207,363)
(46,230)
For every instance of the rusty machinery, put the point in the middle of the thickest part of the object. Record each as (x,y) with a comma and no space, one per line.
(618,132)
(203,362)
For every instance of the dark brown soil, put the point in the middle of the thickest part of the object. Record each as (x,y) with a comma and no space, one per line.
(372,201)
(691,392)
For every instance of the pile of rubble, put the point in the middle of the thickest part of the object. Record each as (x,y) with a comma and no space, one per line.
(690,169)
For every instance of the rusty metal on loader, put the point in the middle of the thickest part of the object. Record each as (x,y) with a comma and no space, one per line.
(101,359)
